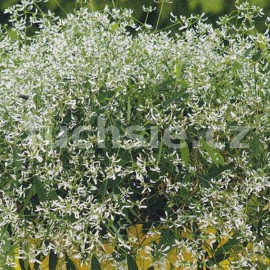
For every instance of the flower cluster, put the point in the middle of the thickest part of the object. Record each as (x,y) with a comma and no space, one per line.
(68,190)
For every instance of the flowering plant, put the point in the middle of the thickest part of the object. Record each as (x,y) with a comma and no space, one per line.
(101,130)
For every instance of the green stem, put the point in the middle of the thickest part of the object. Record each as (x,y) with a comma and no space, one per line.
(128,110)
(146,18)
(160,151)
(159,15)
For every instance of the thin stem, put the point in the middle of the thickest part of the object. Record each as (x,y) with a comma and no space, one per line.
(91,5)
(160,151)
(58,4)
(170,26)
(128,110)
(146,18)
(159,15)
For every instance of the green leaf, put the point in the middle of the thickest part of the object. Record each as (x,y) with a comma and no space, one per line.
(267,254)
(116,232)
(114,26)
(178,70)
(222,253)
(261,266)
(227,246)
(247,53)
(53,195)
(180,95)
(52,260)
(216,157)
(30,194)
(257,56)
(95,264)
(151,268)
(262,42)
(10,251)
(255,146)
(220,158)
(183,83)
(135,214)
(210,152)
(126,216)
(236,66)
(165,84)
(131,263)
(6,245)
(184,151)
(217,259)
(17,158)
(37,264)
(164,239)
(165,244)
(39,189)
(24,264)
(70,264)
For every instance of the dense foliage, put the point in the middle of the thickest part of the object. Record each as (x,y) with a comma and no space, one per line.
(212,8)
(101,130)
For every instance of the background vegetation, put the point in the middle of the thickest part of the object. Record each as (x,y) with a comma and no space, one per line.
(212,8)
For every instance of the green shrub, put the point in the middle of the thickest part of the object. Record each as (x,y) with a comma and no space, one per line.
(102,130)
